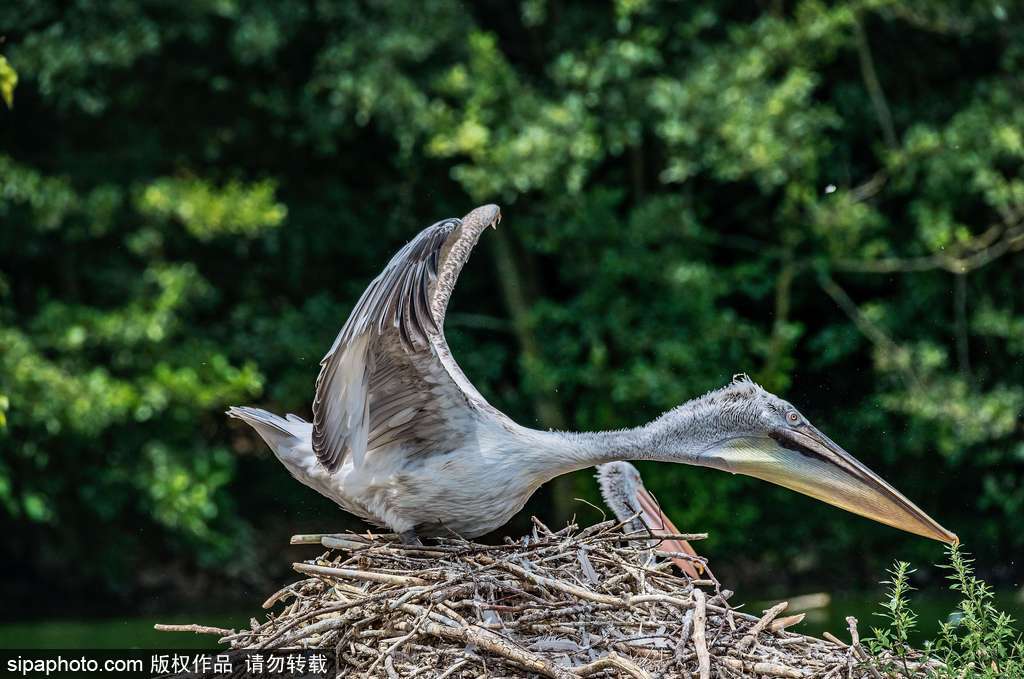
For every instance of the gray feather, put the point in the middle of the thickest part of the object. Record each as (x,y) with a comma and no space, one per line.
(391,359)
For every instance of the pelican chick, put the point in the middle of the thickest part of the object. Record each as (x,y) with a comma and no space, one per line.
(623,490)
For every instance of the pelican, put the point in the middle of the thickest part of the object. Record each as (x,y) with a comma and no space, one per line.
(401,438)
(624,492)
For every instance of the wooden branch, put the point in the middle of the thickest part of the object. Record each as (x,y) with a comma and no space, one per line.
(612,661)
(998,240)
(782,623)
(357,540)
(493,643)
(351,574)
(401,640)
(783,289)
(759,626)
(307,631)
(874,86)
(835,640)
(963,351)
(195,629)
(762,668)
(564,587)
(869,328)
(700,642)
(858,650)
(660,537)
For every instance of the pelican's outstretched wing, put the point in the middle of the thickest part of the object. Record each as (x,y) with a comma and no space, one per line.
(389,378)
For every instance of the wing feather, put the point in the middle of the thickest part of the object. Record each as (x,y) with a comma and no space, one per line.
(389,378)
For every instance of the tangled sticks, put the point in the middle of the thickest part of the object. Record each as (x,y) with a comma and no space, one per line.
(571,603)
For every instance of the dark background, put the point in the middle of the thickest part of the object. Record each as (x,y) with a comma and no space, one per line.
(193,194)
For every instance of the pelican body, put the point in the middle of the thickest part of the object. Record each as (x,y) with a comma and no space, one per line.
(401,438)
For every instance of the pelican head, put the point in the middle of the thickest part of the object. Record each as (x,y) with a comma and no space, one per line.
(620,482)
(744,429)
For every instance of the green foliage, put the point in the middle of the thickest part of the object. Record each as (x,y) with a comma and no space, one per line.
(8,81)
(207,211)
(828,197)
(891,643)
(979,640)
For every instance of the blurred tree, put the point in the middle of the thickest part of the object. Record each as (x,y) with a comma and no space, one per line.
(8,81)
(192,195)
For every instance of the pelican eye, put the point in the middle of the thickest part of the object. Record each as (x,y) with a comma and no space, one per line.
(793,417)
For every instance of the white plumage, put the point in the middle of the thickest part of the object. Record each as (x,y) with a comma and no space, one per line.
(401,438)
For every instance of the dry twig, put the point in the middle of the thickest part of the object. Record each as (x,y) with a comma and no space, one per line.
(458,609)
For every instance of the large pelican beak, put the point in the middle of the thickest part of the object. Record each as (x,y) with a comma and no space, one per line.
(803,459)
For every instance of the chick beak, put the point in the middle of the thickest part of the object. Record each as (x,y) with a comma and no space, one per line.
(659,524)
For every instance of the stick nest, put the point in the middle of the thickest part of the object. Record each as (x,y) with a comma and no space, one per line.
(592,602)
